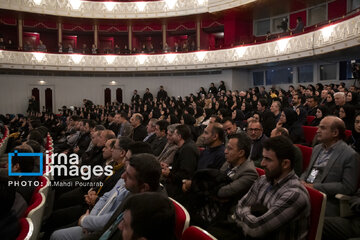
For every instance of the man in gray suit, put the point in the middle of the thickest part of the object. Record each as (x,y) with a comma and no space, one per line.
(334,166)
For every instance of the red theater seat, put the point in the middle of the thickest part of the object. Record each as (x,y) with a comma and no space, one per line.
(309,119)
(309,133)
(348,133)
(306,155)
(182,219)
(196,233)
(260,171)
(317,213)
(27,229)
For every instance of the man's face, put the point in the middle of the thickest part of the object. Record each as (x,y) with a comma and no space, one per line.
(158,132)
(324,132)
(150,128)
(131,183)
(254,131)
(339,100)
(324,94)
(311,102)
(117,118)
(176,137)
(125,226)
(169,137)
(133,121)
(229,128)
(271,165)
(296,100)
(274,108)
(86,128)
(107,150)
(308,92)
(232,152)
(209,137)
(260,107)
(102,139)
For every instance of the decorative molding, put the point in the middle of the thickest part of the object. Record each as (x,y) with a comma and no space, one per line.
(331,38)
(121,10)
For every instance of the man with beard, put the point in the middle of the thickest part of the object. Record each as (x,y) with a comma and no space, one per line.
(277,206)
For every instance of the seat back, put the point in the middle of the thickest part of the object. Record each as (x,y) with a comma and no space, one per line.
(35,212)
(27,229)
(348,133)
(306,155)
(44,185)
(317,213)
(309,133)
(309,119)
(182,219)
(260,171)
(196,233)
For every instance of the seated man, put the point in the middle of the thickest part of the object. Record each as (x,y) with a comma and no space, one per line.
(142,174)
(184,164)
(277,206)
(213,156)
(334,166)
(257,136)
(148,221)
(160,141)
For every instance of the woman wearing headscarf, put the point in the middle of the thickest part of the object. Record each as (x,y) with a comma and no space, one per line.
(321,112)
(288,119)
(347,114)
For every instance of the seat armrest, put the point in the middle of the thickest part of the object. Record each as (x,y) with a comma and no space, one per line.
(345,210)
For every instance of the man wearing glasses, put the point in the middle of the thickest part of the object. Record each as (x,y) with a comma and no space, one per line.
(257,136)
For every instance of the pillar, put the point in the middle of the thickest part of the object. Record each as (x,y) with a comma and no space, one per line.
(20,32)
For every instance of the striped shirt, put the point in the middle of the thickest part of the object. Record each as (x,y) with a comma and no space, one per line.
(288,207)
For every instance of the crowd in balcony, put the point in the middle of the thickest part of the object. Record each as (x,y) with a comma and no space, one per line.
(215,137)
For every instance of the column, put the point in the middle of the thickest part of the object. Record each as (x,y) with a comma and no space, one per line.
(130,36)
(96,34)
(20,32)
(164,40)
(59,25)
(198,29)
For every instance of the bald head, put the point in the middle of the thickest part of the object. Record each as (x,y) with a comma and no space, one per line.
(331,129)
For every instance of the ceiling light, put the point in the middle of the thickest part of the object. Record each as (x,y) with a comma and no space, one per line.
(110,59)
(76,58)
(75,4)
(170,57)
(140,6)
(327,31)
(109,6)
(170,3)
(112,82)
(39,56)
(201,55)
(282,44)
(240,51)
(42,82)
(37,2)
(141,58)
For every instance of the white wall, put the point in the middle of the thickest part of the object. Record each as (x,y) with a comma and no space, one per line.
(15,90)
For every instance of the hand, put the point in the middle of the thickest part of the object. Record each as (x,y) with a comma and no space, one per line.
(186,185)
(279,124)
(309,185)
(76,150)
(83,216)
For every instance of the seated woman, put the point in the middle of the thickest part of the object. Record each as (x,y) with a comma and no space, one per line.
(354,140)
(321,112)
(347,113)
(288,119)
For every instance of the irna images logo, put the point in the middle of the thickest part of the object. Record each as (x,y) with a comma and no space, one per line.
(16,154)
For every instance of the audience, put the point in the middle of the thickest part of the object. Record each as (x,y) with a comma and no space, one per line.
(333,167)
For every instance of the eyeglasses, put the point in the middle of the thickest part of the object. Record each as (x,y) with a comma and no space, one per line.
(253,129)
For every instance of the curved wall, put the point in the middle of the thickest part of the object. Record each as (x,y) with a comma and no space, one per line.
(121,10)
(331,38)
